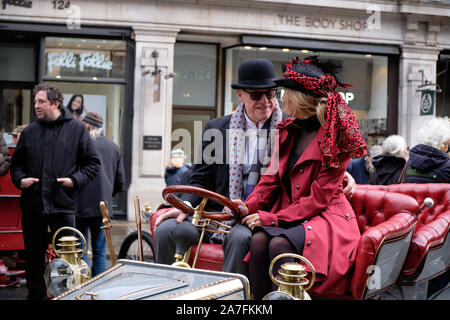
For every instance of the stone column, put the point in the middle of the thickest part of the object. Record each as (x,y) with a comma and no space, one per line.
(152,114)
(419,55)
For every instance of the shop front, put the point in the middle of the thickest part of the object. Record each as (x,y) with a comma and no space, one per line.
(164,68)
(93,66)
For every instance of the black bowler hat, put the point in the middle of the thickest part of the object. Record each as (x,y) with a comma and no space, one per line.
(255,74)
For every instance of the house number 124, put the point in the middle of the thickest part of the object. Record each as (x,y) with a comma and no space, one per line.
(61,5)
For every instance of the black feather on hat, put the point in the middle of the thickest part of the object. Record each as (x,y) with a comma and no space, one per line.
(309,67)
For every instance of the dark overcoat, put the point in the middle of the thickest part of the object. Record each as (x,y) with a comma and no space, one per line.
(51,150)
(109,182)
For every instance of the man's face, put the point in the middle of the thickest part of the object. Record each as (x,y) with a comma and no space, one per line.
(260,109)
(45,110)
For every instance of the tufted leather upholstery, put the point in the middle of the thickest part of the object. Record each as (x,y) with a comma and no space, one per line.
(382,217)
(433,223)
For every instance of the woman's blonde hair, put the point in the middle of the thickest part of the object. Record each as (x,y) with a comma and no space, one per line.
(308,104)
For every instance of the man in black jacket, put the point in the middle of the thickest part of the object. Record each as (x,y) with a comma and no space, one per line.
(109,182)
(54,158)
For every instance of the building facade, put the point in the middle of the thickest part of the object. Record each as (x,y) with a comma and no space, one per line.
(158,70)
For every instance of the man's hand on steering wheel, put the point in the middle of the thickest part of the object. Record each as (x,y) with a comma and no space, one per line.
(172,213)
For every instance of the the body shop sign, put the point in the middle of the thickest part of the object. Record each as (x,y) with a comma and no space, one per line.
(84,64)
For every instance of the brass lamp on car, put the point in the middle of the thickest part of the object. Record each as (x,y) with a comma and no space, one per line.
(68,270)
(291,280)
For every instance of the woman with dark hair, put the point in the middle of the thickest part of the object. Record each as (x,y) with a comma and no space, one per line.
(300,207)
(76,106)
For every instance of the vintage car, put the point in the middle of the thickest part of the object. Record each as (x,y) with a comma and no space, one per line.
(404,248)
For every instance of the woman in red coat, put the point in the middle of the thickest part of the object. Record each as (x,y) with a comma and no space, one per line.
(299,206)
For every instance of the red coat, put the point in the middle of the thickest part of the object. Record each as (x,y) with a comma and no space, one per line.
(331,230)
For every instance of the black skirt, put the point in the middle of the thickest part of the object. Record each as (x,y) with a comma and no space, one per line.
(294,233)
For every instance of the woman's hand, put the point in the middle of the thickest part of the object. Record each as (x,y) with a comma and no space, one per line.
(349,185)
(252,220)
(243,210)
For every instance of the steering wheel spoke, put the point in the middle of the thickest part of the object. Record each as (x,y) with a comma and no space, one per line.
(169,195)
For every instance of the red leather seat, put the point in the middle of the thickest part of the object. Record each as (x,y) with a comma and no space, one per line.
(210,256)
(428,256)
(11,236)
(386,221)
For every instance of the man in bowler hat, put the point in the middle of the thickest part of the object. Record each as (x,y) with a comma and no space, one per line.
(234,177)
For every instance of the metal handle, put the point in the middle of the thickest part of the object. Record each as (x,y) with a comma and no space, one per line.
(71,229)
(137,211)
(291,255)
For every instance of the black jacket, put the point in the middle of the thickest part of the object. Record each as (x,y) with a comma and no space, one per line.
(388,169)
(109,182)
(51,150)
(212,175)
(427,165)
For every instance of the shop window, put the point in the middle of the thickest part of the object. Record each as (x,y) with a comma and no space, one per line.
(17,62)
(105,99)
(195,68)
(84,59)
(443,82)
(194,94)
(15,109)
(93,68)
(368,97)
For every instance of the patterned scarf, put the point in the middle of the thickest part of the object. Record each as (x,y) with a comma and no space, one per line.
(342,133)
(236,147)
(236,154)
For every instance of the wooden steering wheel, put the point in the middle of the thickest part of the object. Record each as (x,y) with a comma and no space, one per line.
(170,197)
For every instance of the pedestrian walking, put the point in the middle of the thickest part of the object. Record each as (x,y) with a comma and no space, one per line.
(108,183)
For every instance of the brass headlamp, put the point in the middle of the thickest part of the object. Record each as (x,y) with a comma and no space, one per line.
(291,279)
(68,270)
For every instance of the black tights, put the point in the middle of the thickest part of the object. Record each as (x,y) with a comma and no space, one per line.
(263,250)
